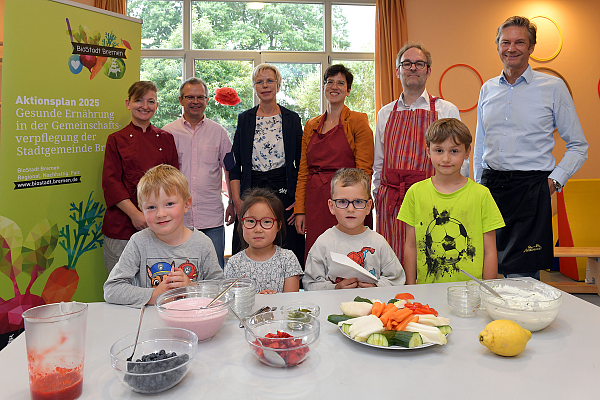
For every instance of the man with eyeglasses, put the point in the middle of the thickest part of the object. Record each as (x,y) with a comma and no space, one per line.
(516,117)
(204,150)
(400,151)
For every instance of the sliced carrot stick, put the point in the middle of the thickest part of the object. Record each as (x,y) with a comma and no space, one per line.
(389,307)
(377,308)
(388,326)
(402,326)
(385,318)
(400,314)
(386,315)
(374,308)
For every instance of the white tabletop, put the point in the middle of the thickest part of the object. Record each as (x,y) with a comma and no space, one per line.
(560,362)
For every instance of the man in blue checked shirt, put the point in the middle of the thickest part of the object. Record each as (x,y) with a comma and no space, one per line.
(516,117)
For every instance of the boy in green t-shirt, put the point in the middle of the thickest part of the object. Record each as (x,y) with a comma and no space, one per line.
(450,220)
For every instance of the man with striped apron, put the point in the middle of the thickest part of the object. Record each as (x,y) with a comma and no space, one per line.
(516,116)
(400,151)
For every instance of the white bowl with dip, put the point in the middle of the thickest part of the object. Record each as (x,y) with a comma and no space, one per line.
(530,303)
(181,308)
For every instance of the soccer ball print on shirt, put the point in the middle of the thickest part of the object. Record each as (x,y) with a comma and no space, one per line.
(446,244)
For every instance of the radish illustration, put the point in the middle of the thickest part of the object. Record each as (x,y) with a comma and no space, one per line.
(32,257)
(88,61)
(84,237)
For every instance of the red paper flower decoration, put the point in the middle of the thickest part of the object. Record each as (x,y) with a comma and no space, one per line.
(227,96)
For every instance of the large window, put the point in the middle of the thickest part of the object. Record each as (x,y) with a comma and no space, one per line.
(268,26)
(221,41)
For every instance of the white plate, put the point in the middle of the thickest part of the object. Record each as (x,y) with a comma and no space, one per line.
(387,348)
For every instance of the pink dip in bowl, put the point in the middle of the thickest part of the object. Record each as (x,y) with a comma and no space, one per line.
(186,314)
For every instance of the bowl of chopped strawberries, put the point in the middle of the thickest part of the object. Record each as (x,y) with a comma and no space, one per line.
(280,340)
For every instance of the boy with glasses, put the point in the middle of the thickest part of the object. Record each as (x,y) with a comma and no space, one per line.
(350,203)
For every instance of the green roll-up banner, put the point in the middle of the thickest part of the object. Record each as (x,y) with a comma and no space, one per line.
(65,74)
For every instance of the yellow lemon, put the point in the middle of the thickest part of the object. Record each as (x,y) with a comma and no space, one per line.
(504,337)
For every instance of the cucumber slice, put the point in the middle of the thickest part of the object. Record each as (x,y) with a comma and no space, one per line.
(335,319)
(409,339)
(377,339)
(445,329)
(403,339)
(346,329)
(362,299)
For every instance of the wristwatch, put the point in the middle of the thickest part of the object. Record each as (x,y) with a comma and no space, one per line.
(557,185)
(231,201)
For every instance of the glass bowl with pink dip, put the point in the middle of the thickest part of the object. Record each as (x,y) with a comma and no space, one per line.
(181,308)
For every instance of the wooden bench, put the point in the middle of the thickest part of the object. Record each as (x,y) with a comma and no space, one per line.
(592,273)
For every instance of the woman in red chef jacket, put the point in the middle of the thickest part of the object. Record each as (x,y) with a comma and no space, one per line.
(129,153)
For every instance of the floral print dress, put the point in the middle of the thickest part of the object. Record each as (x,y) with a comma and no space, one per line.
(267,151)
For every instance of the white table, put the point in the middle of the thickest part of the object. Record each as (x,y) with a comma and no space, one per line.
(560,362)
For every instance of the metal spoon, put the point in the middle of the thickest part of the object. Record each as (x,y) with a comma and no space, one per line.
(260,310)
(222,293)
(271,355)
(492,291)
(138,333)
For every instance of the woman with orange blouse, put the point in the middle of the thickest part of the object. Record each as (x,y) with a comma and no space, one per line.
(340,138)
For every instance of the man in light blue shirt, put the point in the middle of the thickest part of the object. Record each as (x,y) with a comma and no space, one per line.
(516,117)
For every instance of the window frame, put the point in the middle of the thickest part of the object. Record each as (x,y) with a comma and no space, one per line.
(323,58)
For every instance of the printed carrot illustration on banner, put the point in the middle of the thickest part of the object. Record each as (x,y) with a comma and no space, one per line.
(85,236)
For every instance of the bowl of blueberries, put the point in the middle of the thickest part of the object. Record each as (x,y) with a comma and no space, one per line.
(162,358)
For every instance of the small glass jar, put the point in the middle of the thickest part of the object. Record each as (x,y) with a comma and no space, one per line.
(244,294)
(472,285)
(463,301)
(301,306)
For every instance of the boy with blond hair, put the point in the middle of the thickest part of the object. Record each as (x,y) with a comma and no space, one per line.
(350,203)
(451,220)
(166,255)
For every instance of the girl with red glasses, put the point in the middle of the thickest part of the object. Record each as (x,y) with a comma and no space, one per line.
(272,268)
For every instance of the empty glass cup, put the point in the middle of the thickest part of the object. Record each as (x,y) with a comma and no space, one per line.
(245,292)
(463,301)
(472,285)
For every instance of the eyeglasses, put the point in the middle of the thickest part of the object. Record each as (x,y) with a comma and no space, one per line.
(418,64)
(192,98)
(331,82)
(268,82)
(359,204)
(266,222)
